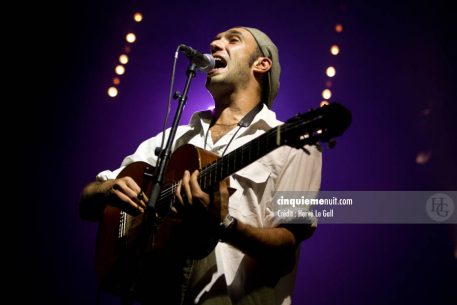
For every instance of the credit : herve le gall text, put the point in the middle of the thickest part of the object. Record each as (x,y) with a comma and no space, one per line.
(299,213)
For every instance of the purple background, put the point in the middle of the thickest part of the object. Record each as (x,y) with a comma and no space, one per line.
(397,61)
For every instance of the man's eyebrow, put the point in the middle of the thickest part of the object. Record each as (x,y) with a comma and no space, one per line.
(228,33)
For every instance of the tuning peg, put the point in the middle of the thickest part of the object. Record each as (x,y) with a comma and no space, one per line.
(331,143)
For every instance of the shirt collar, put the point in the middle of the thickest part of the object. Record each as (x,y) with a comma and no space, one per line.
(264,119)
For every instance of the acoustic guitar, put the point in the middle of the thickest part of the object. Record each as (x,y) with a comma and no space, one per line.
(130,244)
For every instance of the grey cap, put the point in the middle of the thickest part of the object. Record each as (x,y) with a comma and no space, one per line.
(268,49)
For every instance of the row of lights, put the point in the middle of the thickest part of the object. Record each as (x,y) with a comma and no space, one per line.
(119,70)
(331,71)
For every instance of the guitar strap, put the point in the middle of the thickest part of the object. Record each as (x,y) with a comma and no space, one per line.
(247,119)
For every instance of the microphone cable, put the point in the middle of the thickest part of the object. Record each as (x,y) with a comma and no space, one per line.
(170,95)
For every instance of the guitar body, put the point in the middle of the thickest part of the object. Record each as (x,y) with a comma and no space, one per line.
(129,245)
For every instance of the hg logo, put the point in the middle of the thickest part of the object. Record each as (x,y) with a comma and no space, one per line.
(440,207)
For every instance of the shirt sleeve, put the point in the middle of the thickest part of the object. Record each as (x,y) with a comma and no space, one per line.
(144,152)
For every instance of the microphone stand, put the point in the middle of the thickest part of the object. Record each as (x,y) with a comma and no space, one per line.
(146,240)
(164,155)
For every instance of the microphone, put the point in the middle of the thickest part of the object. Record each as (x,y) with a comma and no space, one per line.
(205,62)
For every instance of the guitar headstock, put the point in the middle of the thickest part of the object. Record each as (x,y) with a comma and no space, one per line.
(322,124)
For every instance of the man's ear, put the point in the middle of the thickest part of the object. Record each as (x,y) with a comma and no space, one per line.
(262,65)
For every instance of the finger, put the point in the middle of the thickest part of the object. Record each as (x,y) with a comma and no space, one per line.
(137,197)
(194,185)
(129,192)
(185,184)
(196,189)
(131,184)
(142,199)
(135,192)
(176,205)
(124,198)
(178,193)
(173,209)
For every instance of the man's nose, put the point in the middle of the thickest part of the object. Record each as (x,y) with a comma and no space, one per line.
(216,45)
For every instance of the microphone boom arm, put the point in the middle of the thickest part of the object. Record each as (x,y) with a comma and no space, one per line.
(164,156)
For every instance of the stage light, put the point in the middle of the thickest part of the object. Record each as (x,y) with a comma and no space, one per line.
(123,59)
(327,94)
(423,157)
(120,69)
(330,71)
(335,50)
(138,17)
(112,91)
(130,37)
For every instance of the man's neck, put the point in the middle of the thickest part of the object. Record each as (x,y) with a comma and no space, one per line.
(227,118)
(229,115)
(233,111)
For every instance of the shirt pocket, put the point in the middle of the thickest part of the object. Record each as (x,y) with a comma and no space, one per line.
(250,184)
(255,173)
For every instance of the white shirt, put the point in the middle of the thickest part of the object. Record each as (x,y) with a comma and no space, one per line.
(284,169)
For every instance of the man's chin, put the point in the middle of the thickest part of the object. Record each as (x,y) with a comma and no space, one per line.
(212,80)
